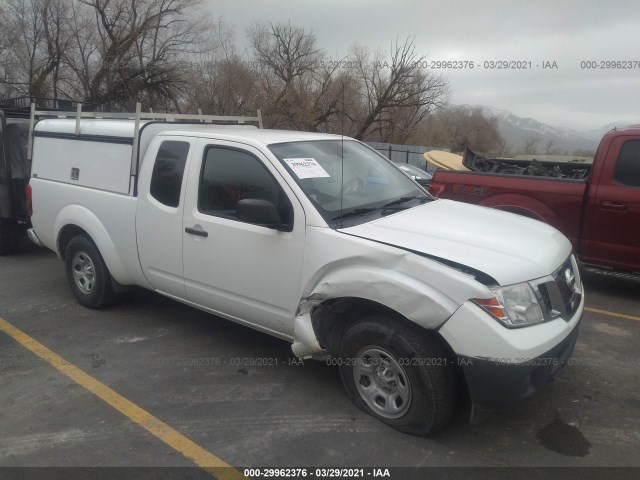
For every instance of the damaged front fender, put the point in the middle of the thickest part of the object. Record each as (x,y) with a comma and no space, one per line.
(305,343)
(388,288)
(348,268)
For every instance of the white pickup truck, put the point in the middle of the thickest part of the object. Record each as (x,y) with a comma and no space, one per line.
(319,240)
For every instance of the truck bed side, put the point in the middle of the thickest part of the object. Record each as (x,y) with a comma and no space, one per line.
(555,201)
(108,218)
(84,183)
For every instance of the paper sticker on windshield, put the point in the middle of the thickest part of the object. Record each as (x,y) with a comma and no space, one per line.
(306,168)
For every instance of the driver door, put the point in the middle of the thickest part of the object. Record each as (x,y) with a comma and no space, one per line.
(248,272)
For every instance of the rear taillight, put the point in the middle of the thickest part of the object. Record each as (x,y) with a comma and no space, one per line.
(437,189)
(27,190)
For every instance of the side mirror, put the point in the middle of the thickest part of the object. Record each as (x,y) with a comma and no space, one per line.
(260,212)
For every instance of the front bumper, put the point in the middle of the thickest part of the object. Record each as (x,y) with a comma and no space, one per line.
(503,366)
(496,383)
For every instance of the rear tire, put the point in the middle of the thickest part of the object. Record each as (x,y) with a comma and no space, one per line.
(398,374)
(87,274)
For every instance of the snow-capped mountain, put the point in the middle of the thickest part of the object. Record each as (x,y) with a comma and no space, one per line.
(517,130)
(597,133)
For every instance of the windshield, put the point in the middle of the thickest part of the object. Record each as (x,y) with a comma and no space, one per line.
(412,170)
(346,179)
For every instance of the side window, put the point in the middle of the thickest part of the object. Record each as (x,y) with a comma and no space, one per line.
(166,179)
(229,176)
(627,169)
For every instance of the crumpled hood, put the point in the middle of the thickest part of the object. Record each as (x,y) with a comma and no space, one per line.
(508,247)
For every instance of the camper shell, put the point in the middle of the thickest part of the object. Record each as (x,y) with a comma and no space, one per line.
(114,169)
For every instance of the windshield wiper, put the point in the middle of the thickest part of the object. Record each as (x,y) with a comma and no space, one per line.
(354,212)
(403,200)
(361,211)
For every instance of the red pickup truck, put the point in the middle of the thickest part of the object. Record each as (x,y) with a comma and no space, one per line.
(596,206)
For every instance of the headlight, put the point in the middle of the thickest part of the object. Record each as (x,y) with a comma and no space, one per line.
(514,305)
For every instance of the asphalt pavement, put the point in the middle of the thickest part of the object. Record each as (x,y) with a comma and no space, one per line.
(242,397)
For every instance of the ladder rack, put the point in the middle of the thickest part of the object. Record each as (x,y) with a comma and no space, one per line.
(137,117)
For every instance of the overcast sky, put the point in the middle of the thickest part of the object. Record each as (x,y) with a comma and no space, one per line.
(566,32)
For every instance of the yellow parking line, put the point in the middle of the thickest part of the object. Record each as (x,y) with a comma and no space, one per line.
(612,314)
(161,430)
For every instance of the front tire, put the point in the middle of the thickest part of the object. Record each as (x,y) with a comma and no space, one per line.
(398,374)
(87,274)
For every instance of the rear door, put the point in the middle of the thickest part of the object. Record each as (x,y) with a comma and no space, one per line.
(244,271)
(159,214)
(614,211)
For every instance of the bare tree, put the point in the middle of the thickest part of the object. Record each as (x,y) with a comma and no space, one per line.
(4,56)
(35,39)
(223,83)
(436,130)
(504,148)
(83,54)
(530,145)
(396,83)
(58,36)
(549,147)
(23,51)
(299,87)
(113,53)
(107,52)
(461,127)
(223,87)
(286,55)
(134,50)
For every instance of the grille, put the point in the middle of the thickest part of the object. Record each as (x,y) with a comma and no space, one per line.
(546,299)
(565,279)
(560,295)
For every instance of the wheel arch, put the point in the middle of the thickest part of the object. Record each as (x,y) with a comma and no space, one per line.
(522,205)
(64,237)
(331,317)
(76,220)
(361,286)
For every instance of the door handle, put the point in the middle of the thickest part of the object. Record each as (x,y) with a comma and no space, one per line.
(610,205)
(199,233)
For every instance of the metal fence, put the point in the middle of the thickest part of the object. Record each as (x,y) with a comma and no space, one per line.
(21,106)
(411,154)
